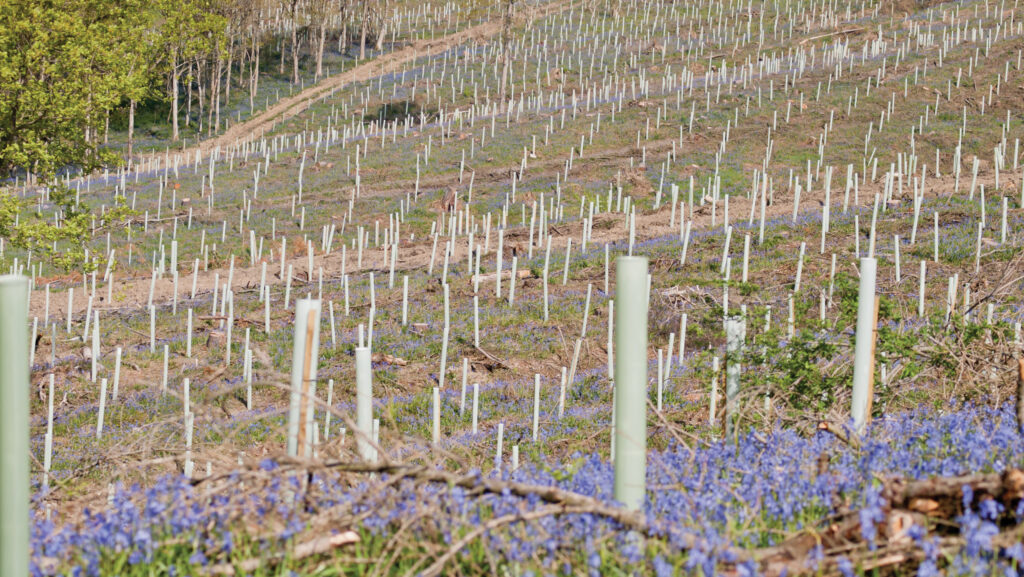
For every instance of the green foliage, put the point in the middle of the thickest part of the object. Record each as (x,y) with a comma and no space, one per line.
(62,245)
(796,371)
(62,65)
(189,28)
(844,292)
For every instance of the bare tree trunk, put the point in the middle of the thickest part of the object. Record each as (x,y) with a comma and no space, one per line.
(201,89)
(280,65)
(174,101)
(131,130)
(188,98)
(242,59)
(220,87)
(254,77)
(506,38)
(227,84)
(295,42)
(362,34)
(209,112)
(295,56)
(320,51)
(343,29)
(213,120)
(381,34)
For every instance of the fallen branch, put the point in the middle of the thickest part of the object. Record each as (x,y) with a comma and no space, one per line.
(926,503)
(317,546)
(493,358)
(840,433)
(238,320)
(943,496)
(630,519)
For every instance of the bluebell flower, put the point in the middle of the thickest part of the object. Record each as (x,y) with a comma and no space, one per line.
(1015,552)
(870,515)
(662,568)
(747,568)
(845,567)
(927,568)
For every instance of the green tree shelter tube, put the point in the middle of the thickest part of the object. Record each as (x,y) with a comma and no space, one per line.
(631,381)
(14,434)
(364,404)
(303,378)
(863,352)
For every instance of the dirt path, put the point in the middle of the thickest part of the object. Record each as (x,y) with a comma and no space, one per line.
(390,62)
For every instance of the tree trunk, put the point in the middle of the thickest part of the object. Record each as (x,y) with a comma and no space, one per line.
(131,130)
(253,59)
(209,113)
(362,33)
(381,34)
(320,51)
(280,64)
(213,119)
(174,102)
(88,121)
(343,40)
(227,83)
(188,98)
(243,58)
(220,86)
(295,50)
(201,89)
(506,37)
(254,77)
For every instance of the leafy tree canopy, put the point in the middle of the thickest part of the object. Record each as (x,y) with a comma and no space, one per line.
(62,65)
(65,63)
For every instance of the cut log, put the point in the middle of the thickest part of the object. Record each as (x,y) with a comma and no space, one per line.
(216,339)
(389,359)
(505,274)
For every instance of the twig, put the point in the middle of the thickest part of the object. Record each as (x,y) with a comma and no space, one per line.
(670,428)
(840,433)
(1020,394)
(493,358)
